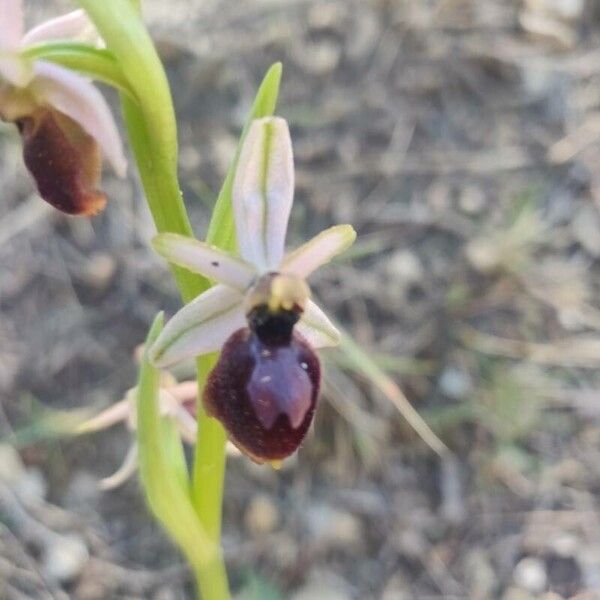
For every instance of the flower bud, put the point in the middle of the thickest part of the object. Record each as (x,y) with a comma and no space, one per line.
(64,161)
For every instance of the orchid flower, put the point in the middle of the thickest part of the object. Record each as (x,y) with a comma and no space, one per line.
(265,385)
(177,401)
(65,123)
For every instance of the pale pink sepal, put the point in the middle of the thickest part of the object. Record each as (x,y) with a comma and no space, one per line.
(77,97)
(11,24)
(318,330)
(318,251)
(74,26)
(200,327)
(263,191)
(107,418)
(124,472)
(204,259)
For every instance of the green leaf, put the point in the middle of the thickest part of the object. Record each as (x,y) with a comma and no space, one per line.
(162,466)
(98,63)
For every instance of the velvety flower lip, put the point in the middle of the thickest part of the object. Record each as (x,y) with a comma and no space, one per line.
(262,200)
(56,108)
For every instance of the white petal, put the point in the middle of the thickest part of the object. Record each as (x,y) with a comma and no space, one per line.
(263,191)
(200,327)
(79,99)
(11,24)
(318,330)
(124,472)
(204,259)
(318,251)
(73,26)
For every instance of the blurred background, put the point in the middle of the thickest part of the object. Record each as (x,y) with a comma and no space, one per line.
(461,138)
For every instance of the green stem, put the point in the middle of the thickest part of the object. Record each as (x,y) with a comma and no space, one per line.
(211,577)
(211,580)
(150,119)
(162,193)
(209,461)
(152,131)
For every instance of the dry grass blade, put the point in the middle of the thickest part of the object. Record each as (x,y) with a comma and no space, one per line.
(583,352)
(360,362)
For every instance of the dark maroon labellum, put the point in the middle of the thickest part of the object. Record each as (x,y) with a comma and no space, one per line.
(264,390)
(64,160)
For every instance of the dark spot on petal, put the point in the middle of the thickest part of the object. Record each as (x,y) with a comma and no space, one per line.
(265,396)
(64,160)
(215,263)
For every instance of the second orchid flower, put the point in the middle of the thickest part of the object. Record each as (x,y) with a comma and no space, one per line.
(65,123)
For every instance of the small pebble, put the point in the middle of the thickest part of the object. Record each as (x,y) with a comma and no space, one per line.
(406,267)
(64,558)
(472,200)
(455,383)
(262,515)
(334,528)
(100,270)
(484,255)
(530,574)
(318,58)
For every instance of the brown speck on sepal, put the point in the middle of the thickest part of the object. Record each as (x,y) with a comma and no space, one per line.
(265,396)
(64,161)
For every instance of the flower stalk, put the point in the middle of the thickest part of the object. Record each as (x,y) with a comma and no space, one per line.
(150,121)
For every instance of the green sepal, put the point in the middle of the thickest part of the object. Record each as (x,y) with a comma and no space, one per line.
(221,231)
(97,63)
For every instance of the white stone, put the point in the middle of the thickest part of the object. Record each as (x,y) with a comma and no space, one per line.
(64,557)
(455,383)
(530,574)
(262,515)
(405,266)
(334,528)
